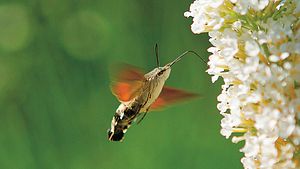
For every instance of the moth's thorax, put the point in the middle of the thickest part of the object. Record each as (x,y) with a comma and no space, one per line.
(155,81)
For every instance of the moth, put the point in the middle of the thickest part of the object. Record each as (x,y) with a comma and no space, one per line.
(139,94)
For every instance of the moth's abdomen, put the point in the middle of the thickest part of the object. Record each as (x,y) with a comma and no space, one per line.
(122,121)
(117,135)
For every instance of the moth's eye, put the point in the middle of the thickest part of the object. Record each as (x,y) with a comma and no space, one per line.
(161,72)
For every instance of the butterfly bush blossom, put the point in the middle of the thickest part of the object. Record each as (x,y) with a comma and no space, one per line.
(256,51)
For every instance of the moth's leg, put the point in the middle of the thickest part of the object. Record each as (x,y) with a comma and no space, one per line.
(144,115)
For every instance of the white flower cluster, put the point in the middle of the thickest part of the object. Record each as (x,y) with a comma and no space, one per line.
(256,50)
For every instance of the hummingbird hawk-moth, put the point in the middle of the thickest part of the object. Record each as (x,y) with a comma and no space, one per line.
(139,94)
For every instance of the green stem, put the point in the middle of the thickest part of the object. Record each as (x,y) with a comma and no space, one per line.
(266,49)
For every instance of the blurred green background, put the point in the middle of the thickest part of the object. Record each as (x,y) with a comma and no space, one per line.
(55,101)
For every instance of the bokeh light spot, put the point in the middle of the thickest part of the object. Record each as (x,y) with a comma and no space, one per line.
(14,27)
(83,35)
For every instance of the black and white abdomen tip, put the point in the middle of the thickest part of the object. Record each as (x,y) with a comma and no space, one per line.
(117,135)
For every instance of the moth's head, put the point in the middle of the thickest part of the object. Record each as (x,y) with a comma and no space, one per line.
(159,73)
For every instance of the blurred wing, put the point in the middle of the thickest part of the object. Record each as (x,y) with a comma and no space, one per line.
(126,72)
(169,96)
(127,82)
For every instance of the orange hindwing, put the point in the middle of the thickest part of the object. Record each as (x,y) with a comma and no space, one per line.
(169,96)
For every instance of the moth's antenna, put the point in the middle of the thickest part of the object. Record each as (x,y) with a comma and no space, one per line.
(183,54)
(156,54)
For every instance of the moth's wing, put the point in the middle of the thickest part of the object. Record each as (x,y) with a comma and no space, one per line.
(170,95)
(127,82)
(125,91)
(127,72)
